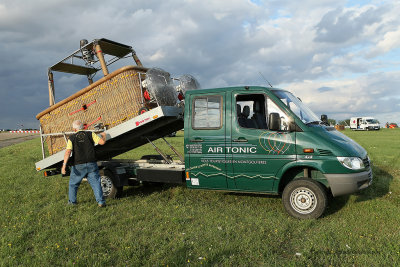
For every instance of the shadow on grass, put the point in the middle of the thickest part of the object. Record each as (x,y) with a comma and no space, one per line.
(257,195)
(335,204)
(379,188)
(179,257)
(150,188)
(146,189)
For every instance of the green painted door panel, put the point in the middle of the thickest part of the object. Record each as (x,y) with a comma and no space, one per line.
(257,161)
(256,154)
(206,142)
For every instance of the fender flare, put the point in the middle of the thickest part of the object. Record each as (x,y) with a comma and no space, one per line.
(297,164)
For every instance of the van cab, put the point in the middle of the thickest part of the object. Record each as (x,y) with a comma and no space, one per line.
(265,140)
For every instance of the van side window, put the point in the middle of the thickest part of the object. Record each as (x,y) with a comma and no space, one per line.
(273,108)
(250,111)
(207,112)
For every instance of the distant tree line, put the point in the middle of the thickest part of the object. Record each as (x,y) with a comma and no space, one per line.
(342,122)
(345,122)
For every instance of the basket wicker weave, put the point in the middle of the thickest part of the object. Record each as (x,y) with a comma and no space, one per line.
(111,100)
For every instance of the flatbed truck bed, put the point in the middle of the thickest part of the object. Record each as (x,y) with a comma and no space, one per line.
(117,173)
(133,133)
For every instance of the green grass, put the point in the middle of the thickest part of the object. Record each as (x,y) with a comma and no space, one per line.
(175,226)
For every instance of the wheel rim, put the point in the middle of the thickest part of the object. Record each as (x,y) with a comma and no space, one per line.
(106,185)
(303,200)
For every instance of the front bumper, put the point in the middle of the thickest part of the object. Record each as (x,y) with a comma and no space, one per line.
(342,184)
(373,127)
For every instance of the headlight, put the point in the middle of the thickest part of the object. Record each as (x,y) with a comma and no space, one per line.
(352,163)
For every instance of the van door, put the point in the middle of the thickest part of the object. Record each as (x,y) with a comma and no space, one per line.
(257,153)
(206,142)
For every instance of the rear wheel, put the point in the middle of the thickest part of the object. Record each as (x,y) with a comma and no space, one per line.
(305,199)
(110,190)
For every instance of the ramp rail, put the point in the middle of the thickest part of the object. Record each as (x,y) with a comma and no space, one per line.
(149,126)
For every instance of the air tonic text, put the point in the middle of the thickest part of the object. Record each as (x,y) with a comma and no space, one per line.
(233,150)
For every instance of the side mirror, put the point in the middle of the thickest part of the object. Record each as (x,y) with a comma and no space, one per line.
(324,119)
(274,121)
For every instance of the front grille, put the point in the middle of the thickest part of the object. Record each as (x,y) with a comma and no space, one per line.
(366,162)
(325,152)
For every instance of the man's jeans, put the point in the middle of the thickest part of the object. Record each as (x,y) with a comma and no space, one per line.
(78,172)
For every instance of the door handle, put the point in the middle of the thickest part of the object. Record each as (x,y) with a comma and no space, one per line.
(240,140)
(196,140)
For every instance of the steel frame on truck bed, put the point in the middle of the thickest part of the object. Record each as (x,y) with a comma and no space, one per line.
(133,133)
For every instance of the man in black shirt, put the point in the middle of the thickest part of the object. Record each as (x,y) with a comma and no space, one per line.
(83,162)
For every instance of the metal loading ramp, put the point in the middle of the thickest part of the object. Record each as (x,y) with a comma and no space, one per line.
(151,125)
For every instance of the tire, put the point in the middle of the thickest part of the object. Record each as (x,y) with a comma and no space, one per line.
(108,185)
(305,199)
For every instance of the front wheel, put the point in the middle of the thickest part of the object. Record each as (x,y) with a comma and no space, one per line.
(305,199)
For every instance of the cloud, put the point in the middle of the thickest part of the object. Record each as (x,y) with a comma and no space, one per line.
(343,24)
(390,41)
(324,89)
(318,44)
(364,96)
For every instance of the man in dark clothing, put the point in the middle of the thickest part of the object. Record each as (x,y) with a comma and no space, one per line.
(83,162)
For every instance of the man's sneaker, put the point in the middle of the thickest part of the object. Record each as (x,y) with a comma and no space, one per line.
(102,205)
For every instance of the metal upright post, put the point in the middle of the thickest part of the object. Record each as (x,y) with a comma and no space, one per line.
(42,141)
(175,151)
(51,88)
(159,151)
(136,59)
(100,55)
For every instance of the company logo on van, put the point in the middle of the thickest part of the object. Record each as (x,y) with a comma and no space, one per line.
(275,143)
(233,150)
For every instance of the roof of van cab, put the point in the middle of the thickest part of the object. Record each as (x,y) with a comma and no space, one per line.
(235,88)
(362,118)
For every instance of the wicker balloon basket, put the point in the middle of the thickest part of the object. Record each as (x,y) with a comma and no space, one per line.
(108,102)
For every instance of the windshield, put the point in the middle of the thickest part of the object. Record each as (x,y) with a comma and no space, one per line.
(372,121)
(298,108)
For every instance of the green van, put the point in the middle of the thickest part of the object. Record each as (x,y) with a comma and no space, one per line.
(265,140)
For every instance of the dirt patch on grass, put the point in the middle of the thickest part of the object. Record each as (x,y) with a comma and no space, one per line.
(8,139)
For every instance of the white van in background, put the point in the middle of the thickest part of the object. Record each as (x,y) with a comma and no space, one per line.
(364,123)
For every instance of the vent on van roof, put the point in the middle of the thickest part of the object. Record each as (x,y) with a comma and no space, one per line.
(324,152)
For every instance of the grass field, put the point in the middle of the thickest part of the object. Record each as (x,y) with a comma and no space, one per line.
(175,226)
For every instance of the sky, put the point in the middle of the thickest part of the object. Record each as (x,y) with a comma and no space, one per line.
(340,57)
